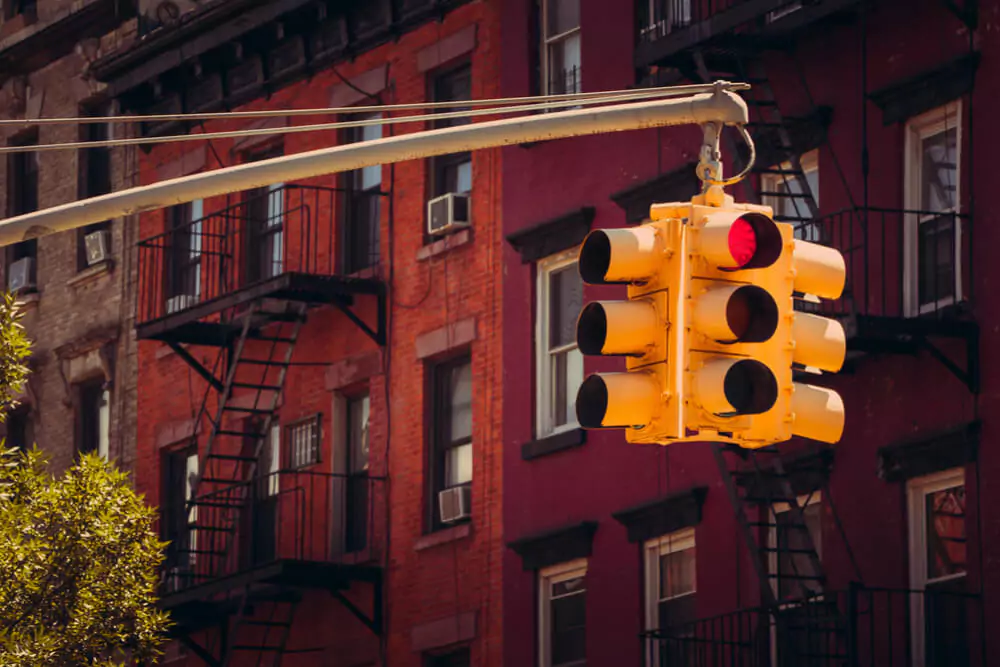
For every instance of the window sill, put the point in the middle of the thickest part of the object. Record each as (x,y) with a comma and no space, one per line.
(443,536)
(456,240)
(551,444)
(91,273)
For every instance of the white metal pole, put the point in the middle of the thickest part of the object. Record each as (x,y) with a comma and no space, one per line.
(720,106)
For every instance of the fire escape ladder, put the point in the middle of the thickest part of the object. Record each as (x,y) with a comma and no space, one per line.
(772,521)
(230,474)
(262,627)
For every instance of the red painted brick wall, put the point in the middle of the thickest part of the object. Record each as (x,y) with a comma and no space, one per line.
(427,584)
(888,398)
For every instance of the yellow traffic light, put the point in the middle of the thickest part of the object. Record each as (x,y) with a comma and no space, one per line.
(642,399)
(819,342)
(709,330)
(737,328)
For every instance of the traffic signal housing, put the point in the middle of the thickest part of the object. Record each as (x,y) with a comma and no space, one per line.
(710,332)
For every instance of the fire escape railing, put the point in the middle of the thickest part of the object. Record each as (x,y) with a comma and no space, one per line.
(268,232)
(288,515)
(900,263)
(858,627)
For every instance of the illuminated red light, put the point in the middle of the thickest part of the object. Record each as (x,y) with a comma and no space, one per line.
(742,242)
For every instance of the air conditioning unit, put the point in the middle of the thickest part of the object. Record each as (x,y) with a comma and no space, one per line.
(180,302)
(165,12)
(21,275)
(455,503)
(447,213)
(97,247)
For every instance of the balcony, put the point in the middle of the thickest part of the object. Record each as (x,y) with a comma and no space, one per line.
(667,28)
(295,529)
(279,242)
(908,275)
(859,627)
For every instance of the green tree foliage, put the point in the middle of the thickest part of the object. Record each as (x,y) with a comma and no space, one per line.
(78,555)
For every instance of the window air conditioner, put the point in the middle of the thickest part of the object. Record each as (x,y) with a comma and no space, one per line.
(180,302)
(447,213)
(455,503)
(21,275)
(97,247)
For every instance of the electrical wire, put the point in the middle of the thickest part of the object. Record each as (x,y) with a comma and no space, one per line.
(77,145)
(663,91)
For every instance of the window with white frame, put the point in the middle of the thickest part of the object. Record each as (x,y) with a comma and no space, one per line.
(559,361)
(790,559)
(671,584)
(561,47)
(932,234)
(938,561)
(787,198)
(562,632)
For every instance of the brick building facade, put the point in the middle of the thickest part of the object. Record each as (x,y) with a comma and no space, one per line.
(628,554)
(81,392)
(364,353)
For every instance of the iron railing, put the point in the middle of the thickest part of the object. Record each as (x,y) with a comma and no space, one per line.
(268,232)
(659,18)
(900,263)
(859,627)
(288,515)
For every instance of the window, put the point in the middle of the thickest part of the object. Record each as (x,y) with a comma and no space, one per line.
(561,47)
(92,419)
(180,470)
(94,166)
(452,430)
(20,429)
(22,197)
(562,636)
(559,362)
(789,535)
(452,173)
(264,236)
(786,198)
(938,561)
(932,273)
(357,510)
(363,206)
(12,8)
(670,595)
(303,442)
(261,538)
(183,281)
(459,658)
(661,17)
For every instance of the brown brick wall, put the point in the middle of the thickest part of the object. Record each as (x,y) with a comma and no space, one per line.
(71,307)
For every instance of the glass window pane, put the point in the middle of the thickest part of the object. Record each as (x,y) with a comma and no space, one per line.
(563,15)
(567,633)
(463,180)
(104,424)
(458,465)
(945,516)
(565,302)
(677,573)
(936,239)
(564,65)
(461,403)
(939,171)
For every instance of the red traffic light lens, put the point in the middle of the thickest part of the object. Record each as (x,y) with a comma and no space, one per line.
(742,242)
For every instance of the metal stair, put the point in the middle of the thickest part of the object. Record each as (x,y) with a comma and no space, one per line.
(230,472)
(810,629)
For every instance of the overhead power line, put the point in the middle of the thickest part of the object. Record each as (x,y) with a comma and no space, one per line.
(583,99)
(671,91)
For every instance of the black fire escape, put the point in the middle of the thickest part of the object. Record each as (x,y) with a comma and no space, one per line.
(895,302)
(257,531)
